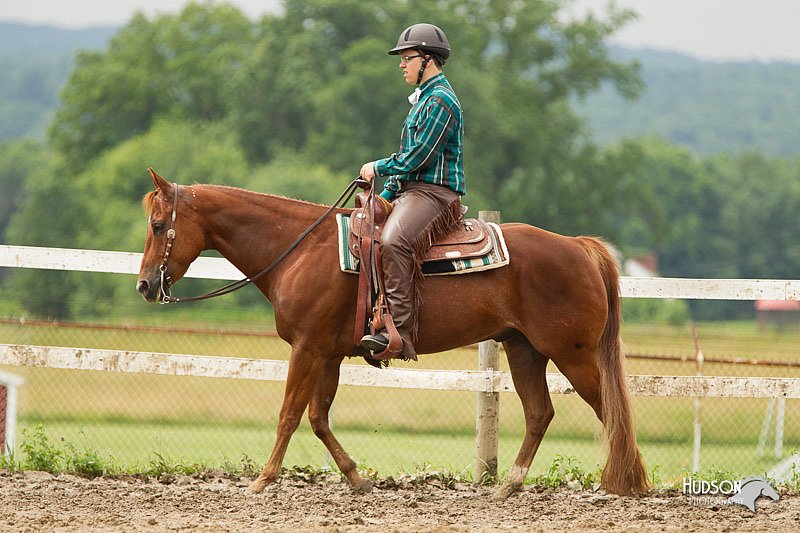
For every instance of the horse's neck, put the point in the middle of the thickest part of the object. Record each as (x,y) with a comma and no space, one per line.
(251,229)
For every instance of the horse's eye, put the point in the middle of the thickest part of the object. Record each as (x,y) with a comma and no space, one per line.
(158,227)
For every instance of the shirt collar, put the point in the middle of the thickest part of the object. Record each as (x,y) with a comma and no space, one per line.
(431,82)
(426,87)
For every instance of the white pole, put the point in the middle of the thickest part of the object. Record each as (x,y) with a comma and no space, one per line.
(487,417)
(762,438)
(11,421)
(779,428)
(697,407)
(487,421)
(11,382)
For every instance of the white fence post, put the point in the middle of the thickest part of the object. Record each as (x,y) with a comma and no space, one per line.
(780,402)
(762,437)
(487,420)
(9,383)
(779,428)
(698,409)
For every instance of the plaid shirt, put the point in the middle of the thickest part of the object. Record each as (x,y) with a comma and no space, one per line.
(431,143)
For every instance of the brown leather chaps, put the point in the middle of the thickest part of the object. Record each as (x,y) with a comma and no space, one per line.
(421,212)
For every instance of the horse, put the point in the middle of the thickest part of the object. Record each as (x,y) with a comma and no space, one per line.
(557,300)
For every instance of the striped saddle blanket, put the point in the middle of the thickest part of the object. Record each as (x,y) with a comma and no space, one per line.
(495,257)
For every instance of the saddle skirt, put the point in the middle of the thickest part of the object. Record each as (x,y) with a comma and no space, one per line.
(473,246)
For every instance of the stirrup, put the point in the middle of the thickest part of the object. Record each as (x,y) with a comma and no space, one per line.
(375,343)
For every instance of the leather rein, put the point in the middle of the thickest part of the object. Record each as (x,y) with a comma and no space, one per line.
(166,281)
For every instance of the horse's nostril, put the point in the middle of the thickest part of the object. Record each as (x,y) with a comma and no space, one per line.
(143,287)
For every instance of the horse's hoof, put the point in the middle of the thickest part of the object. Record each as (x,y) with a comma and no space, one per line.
(504,492)
(366,487)
(258,486)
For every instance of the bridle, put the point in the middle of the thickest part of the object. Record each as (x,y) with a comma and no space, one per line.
(166,281)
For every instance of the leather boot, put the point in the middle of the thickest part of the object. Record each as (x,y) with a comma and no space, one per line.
(375,343)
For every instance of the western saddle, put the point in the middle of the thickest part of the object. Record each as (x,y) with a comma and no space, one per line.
(471,238)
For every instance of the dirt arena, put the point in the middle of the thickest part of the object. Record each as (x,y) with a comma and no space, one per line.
(36,501)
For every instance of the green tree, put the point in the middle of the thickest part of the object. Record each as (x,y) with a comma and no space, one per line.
(180,66)
(516,66)
(296,102)
(278,92)
(762,199)
(101,209)
(682,219)
(181,151)
(294,176)
(719,217)
(114,184)
(18,162)
(51,216)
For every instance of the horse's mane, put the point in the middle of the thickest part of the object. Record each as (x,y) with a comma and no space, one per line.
(149,201)
(247,192)
(150,198)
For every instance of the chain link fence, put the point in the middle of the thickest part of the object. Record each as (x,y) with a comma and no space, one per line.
(135,419)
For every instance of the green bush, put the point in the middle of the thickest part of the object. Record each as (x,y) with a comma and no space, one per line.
(655,311)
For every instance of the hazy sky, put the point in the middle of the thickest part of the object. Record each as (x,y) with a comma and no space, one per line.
(764,30)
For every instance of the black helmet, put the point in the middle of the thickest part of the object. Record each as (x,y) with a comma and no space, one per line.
(426,37)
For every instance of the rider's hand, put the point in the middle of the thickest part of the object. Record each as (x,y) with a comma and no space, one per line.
(368,171)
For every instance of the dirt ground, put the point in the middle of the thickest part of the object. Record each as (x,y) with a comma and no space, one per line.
(36,501)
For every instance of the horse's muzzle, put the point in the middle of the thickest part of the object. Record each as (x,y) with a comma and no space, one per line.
(148,290)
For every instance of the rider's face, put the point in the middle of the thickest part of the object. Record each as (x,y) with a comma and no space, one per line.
(410,62)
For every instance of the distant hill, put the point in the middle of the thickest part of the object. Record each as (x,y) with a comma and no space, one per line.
(35,62)
(45,42)
(707,106)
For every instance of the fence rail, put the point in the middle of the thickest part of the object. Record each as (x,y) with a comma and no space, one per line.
(218,268)
(485,381)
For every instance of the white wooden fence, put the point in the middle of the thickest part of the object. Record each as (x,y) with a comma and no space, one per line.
(484,381)
(216,268)
(488,381)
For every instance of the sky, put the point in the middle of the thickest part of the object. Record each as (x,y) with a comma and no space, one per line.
(716,30)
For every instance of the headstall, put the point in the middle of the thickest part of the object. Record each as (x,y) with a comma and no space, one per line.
(166,281)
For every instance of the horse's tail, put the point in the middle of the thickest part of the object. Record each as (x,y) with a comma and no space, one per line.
(624,472)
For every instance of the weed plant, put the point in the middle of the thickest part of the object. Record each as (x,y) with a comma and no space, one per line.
(565,470)
(41,454)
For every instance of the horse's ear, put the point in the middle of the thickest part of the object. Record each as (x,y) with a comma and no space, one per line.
(160,183)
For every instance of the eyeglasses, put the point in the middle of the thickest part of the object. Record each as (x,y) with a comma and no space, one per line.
(409,58)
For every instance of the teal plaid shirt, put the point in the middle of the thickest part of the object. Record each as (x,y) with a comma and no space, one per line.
(431,142)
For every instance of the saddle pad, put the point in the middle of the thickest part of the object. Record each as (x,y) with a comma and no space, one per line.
(495,258)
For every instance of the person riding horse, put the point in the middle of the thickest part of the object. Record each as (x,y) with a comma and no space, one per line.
(424,179)
(558,302)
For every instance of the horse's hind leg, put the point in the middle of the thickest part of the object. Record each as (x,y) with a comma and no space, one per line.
(584,375)
(528,372)
(318,412)
(624,472)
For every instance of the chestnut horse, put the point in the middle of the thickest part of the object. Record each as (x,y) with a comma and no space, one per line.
(558,300)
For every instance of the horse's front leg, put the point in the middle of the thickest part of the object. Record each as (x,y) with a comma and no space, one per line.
(305,367)
(318,413)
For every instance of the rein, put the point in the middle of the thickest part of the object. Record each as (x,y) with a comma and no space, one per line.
(166,281)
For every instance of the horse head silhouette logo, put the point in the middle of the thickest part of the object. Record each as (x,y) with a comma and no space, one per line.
(751,489)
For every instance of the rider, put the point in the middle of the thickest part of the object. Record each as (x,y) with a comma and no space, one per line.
(424,179)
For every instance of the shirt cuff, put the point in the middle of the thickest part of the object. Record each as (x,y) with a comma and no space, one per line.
(380,167)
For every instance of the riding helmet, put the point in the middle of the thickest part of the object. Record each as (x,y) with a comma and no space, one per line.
(423,36)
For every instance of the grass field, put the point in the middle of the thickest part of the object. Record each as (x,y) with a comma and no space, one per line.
(211,421)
